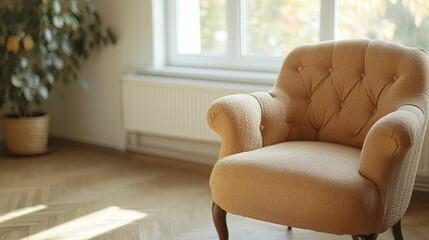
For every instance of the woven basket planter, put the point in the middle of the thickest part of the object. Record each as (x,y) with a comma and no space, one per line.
(26,136)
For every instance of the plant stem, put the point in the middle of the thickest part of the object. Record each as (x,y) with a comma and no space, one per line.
(22,108)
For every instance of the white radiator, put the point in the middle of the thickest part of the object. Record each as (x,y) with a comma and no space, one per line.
(173,107)
(176,108)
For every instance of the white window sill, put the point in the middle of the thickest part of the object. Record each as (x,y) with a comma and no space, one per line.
(265,79)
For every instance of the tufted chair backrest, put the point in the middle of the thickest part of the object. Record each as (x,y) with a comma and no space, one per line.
(335,91)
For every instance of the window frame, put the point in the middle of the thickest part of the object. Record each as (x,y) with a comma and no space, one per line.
(234,60)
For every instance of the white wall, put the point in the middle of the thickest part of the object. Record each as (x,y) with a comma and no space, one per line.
(94,115)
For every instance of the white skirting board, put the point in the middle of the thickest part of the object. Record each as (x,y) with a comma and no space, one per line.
(423,168)
(175,148)
(422,183)
(424,187)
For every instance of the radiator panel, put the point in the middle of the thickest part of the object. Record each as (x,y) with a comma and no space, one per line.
(167,108)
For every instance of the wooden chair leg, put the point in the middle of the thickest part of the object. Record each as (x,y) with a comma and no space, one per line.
(219,219)
(368,237)
(397,231)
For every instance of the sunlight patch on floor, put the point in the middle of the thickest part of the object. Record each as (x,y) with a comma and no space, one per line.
(20,213)
(91,225)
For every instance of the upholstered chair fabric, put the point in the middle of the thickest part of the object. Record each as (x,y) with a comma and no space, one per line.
(333,146)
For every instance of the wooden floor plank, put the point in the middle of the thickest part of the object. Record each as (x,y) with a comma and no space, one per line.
(111,195)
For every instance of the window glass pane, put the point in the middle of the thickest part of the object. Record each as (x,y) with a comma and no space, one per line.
(201,27)
(403,21)
(274,27)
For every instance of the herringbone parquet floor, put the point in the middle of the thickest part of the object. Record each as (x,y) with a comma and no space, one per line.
(84,192)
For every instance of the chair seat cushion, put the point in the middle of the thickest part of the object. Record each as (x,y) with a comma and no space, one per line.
(300,184)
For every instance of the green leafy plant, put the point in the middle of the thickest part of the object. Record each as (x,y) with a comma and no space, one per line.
(42,42)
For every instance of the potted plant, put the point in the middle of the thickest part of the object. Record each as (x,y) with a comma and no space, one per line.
(41,42)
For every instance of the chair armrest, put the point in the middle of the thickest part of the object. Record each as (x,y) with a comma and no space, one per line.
(236,118)
(389,159)
(243,122)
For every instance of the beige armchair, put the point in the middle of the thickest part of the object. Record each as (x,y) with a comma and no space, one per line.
(333,147)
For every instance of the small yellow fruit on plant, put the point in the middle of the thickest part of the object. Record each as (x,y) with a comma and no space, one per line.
(28,42)
(12,44)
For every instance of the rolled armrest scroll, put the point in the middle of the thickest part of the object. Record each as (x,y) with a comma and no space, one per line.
(248,121)
(237,119)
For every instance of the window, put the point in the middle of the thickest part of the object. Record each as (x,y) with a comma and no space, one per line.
(275,28)
(201,27)
(258,34)
(402,21)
